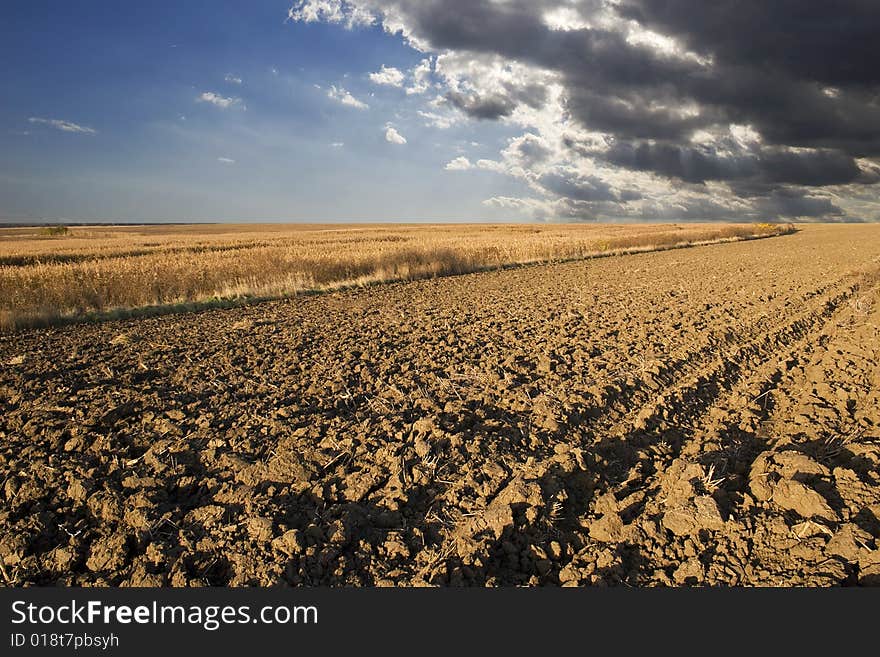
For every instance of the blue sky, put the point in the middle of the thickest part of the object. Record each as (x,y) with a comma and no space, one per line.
(133,74)
(386,110)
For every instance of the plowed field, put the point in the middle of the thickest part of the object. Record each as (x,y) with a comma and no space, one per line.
(700,416)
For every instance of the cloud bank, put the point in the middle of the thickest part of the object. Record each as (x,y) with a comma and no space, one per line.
(394,137)
(653,109)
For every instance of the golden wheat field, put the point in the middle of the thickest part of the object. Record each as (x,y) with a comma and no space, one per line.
(50,275)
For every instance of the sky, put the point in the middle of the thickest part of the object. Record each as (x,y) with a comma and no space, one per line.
(440,110)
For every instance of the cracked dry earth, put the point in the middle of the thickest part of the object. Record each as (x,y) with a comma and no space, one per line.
(704,416)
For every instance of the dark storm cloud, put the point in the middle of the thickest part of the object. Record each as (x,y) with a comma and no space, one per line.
(669,160)
(789,111)
(610,83)
(795,203)
(834,43)
(498,105)
(529,150)
(782,203)
(772,64)
(482,107)
(578,188)
(812,168)
(772,165)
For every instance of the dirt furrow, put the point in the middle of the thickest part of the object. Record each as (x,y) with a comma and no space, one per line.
(739,453)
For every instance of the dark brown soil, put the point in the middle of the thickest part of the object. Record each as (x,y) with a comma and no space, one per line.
(706,416)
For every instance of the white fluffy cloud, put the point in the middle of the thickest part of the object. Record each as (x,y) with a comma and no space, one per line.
(389,76)
(440,121)
(64,126)
(342,96)
(394,137)
(459,164)
(217,100)
(421,77)
(225,160)
(233,79)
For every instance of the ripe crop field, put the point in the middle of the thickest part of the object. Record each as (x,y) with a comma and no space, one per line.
(86,271)
(707,415)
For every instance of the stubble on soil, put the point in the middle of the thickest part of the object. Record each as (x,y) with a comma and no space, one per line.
(708,416)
